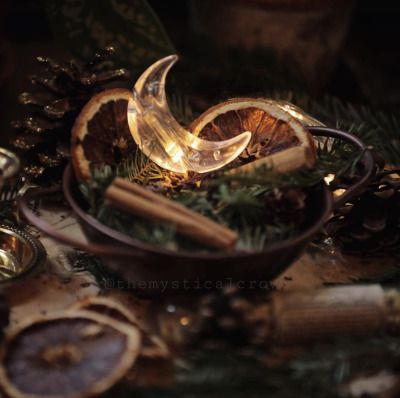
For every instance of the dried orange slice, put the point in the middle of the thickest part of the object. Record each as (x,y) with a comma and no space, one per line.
(77,354)
(152,346)
(101,133)
(277,137)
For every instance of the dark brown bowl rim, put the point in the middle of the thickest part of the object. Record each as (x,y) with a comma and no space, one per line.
(135,244)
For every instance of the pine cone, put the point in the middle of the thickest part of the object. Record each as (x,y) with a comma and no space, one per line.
(371,223)
(43,137)
(231,316)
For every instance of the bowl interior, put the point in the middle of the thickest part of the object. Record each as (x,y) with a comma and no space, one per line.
(318,208)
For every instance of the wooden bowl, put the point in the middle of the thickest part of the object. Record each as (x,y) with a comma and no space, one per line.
(154,270)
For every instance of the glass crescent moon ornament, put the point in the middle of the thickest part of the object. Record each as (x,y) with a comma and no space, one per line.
(159,135)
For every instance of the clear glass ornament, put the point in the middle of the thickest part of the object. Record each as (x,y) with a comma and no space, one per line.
(163,139)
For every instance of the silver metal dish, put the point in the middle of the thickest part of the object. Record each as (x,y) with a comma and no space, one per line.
(20,254)
(9,165)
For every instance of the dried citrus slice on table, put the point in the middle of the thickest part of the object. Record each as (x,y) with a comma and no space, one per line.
(277,138)
(77,354)
(101,133)
(152,346)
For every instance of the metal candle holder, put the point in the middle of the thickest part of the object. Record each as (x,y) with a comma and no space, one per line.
(20,252)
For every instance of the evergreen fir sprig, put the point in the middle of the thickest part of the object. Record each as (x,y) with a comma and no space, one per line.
(322,371)
(378,129)
(140,169)
(103,276)
(334,157)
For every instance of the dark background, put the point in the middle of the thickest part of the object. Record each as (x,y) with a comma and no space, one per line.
(238,47)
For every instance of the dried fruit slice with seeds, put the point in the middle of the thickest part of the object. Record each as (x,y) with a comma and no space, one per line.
(74,355)
(101,133)
(274,131)
(151,347)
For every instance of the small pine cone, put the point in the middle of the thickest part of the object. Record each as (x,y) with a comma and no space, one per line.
(42,138)
(371,223)
(226,317)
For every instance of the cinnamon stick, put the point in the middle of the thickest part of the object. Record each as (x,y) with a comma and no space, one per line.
(162,200)
(142,202)
(283,162)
